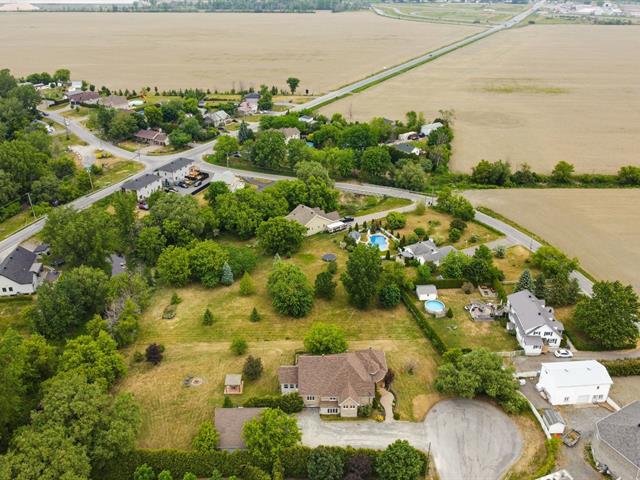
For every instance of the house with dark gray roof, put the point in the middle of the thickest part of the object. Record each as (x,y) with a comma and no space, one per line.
(337,384)
(20,273)
(535,323)
(616,442)
(176,170)
(425,251)
(143,185)
(407,148)
(229,423)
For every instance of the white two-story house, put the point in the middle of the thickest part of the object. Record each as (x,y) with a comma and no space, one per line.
(21,273)
(535,324)
(336,384)
(175,171)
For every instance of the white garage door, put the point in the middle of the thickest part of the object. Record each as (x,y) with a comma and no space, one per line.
(584,398)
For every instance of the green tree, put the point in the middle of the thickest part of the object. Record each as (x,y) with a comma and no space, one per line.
(62,75)
(629,175)
(122,126)
(269,150)
(411,176)
(390,295)
(213,190)
(487,173)
(269,433)
(290,290)
(180,218)
(357,136)
(552,261)
(239,346)
(293,83)
(165,475)
(525,282)
(207,438)
(396,220)
(174,266)
(149,244)
(244,133)
(253,368)
(124,205)
(325,339)
(293,191)
(363,271)
(453,265)
(247,286)
(265,102)
(280,235)
(375,161)
(179,138)
(562,172)
(540,286)
(400,461)
(226,278)
(153,115)
(325,464)
(85,237)
(95,358)
(207,318)
(144,472)
(69,303)
(255,316)
(225,147)
(609,317)
(324,286)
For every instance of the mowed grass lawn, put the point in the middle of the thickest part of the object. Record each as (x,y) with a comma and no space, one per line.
(437,226)
(172,412)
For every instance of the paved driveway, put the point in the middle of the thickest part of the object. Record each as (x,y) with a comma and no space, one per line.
(469,439)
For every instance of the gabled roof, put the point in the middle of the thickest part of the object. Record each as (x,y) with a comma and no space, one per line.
(289,132)
(575,374)
(114,101)
(427,129)
(344,375)
(426,290)
(17,266)
(151,135)
(141,182)
(405,147)
(228,177)
(83,96)
(530,312)
(427,250)
(233,379)
(175,165)
(218,115)
(621,431)
(229,423)
(303,215)
(551,417)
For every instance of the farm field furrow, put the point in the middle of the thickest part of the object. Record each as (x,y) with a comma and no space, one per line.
(599,227)
(535,95)
(217,51)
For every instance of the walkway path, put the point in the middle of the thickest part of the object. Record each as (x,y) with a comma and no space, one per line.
(386,400)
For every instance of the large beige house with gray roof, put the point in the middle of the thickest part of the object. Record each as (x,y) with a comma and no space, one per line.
(336,384)
(315,219)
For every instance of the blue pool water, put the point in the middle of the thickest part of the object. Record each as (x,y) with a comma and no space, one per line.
(434,306)
(379,241)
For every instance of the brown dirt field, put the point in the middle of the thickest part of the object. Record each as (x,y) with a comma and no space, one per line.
(180,50)
(537,94)
(600,227)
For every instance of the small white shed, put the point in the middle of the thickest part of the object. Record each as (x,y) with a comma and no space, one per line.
(426,292)
(571,383)
(553,421)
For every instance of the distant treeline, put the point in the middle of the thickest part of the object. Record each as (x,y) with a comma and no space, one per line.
(298,6)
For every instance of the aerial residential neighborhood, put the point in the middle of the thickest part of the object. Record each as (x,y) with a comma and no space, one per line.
(300,240)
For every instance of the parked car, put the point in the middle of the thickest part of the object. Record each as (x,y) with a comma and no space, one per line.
(143,206)
(563,353)
(347,219)
(197,183)
(183,185)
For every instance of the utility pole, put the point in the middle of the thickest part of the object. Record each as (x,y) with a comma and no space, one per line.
(90,179)
(31,204)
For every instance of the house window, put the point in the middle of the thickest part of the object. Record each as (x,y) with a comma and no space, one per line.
(566,399)
(547,334)
(332,410)
(4,289)
(311,397)
(286,385)
(11,289)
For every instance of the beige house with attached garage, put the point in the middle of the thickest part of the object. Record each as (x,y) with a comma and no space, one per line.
(315,219)
(336,384)
(290,134)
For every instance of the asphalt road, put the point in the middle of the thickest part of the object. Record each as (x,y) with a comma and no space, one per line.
(416,61)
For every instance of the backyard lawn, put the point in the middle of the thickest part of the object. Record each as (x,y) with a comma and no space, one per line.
(203,351)
(437,226)
(116,170)
(11,313)
(351,204)
(462,332)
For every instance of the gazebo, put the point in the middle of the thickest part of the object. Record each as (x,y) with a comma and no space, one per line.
(233,384)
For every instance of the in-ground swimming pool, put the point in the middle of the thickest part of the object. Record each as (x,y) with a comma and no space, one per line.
(434,307)
(380,241)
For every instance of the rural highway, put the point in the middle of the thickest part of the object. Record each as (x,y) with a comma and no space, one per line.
(385,74)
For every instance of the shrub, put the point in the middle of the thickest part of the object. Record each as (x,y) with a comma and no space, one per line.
(250,472)
(239,346)
(420,232)
(396,220)
(454,235)
(365,410)
(138,357)
(459,224)
(255,316)
(552,445)
(400,461)
(332,267)
(246,285)
(253,368)
(153,353)
(227,403)
(468,288)
(206,440)
(500,251)
(390,295)
(324,285)
(325,464)
(144,472)
(623,367)
(449,313)
(360,465)
(175,299)
(277,472)
(289,403)
(207,318)
(420,208)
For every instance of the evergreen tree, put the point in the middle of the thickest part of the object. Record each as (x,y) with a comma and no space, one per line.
(244,133)
(246,285)
(540,286)
(207,318)
(255,316)
(227,275)
(227,402)
(525,282)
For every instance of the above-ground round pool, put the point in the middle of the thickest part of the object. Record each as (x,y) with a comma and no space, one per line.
(380,241)
(435,307)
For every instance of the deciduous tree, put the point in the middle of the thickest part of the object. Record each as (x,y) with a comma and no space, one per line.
(360,279)
(270,432)
(325,339)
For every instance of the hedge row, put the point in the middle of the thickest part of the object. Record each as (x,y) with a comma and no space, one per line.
(294,462)
(295,459)
(549,465)
(289,403)
(177,462)
(445,283)
(624,367)
(422,322)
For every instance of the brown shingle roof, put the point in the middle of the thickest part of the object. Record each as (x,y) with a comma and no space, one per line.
(344,375)
(303,214)
(288,374)
(229,423)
